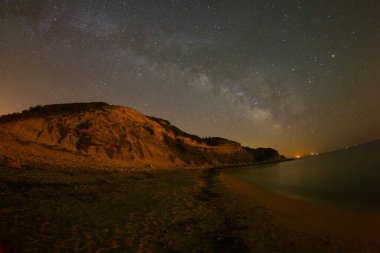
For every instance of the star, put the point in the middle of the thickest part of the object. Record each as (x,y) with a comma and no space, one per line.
(261,63)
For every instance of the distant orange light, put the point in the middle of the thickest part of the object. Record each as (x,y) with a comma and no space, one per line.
(297,156)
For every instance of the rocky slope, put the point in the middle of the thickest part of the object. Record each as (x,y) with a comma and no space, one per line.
(98,134)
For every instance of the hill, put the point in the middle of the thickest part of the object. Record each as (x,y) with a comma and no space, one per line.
(103,135)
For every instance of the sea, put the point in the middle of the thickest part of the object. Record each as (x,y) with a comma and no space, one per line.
(348,177)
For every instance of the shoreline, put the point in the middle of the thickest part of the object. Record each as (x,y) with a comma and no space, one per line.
(352,229)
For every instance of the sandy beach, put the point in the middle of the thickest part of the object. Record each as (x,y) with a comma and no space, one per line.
(51,210)
(306,225)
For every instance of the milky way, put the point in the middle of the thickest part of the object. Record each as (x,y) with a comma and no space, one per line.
(299,76)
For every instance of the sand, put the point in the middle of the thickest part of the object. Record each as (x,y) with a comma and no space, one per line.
(47,210)
(311,226)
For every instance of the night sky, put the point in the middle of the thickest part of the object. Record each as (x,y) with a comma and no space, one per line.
(298,76)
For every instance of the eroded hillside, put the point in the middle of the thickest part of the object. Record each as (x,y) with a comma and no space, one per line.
(98,134)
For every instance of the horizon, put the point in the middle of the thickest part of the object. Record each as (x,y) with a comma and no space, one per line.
(299,77)
(293,156)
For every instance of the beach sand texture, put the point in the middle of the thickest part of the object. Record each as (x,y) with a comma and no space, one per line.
(47,210)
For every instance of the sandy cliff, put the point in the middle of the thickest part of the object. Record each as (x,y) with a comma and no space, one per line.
(98,134)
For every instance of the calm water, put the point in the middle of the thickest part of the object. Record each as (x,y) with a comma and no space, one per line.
(348,177)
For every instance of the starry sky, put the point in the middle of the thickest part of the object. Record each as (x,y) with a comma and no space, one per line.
(298,76)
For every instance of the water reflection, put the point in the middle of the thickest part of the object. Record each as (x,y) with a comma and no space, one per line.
(348,177)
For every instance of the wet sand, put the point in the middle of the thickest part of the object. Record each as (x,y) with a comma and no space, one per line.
(47,210)
(309,226)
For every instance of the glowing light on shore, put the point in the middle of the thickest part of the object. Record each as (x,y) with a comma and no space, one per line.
(297,156)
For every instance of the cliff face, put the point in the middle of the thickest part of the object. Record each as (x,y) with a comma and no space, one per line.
(108,135)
